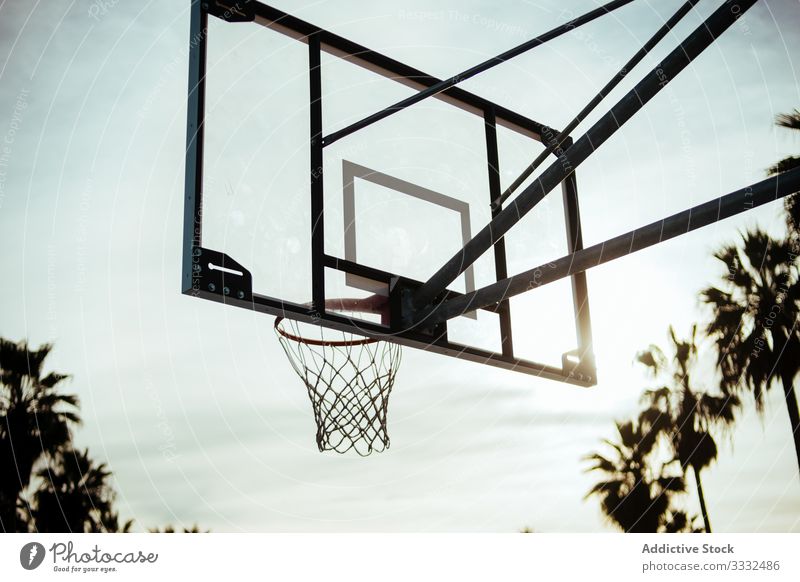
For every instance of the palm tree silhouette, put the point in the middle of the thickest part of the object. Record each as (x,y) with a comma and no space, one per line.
(35,421)
(75,496)
(755,317)
(71,493)
(681,412)
(633,496)
(788,121)
(792,203)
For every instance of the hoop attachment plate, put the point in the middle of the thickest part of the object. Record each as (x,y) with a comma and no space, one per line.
(217,273)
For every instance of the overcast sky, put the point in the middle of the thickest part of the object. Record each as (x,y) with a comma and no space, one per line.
(193,404)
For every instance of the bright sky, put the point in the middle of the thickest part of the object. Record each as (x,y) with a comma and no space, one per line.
(194,406)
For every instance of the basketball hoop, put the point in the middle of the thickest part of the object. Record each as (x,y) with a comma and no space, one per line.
(348,377)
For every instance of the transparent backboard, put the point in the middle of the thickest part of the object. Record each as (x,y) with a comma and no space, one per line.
(399,197)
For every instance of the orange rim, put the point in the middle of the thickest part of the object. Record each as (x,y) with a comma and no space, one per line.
(373,304)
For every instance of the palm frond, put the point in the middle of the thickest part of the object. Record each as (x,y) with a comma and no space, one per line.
(653,358)
(627,433)
(788,120)
(53,379)
(784,165)
(600,463)
(792,206)
(673,484)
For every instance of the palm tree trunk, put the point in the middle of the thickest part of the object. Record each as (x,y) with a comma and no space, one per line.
(794,415)
(702,498)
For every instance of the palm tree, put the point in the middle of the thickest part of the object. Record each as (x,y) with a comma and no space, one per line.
(792,203)
(681,412)
(755,320)
(633,496)
(75,496)
(788,121)
(35,420)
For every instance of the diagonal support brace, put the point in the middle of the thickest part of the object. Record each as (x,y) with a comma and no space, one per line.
(753,196)
(700,39)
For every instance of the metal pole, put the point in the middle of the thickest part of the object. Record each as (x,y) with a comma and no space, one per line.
(699,216)
(392,69)
(580,292)
(500,266)
(463,76)
(605,127)
(615,80)
(195,113)
(317,197)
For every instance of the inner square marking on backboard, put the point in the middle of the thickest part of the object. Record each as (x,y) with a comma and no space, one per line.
(351,171)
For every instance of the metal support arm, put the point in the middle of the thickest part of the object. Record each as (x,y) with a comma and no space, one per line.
(615,80)
(620,113)
(768,190)
(471,72)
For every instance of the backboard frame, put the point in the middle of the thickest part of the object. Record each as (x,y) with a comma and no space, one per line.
(212,275)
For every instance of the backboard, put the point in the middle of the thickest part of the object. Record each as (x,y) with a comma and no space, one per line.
(280,222)
(318,170)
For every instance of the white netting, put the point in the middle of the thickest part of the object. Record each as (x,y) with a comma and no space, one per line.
(349,379)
